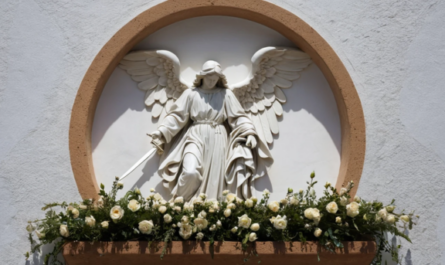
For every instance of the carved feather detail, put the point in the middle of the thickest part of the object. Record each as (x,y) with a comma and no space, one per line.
(261,94)
(157,73)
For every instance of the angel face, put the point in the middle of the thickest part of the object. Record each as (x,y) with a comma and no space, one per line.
(209,81)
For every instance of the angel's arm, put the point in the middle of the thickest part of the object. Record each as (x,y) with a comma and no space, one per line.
(177,117)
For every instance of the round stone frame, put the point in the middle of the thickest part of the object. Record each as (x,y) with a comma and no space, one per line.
(306,38)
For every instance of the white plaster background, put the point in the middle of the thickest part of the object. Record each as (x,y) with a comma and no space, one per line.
(310,134)
(394,51)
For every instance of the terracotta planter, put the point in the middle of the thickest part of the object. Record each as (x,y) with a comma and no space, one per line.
(227,253)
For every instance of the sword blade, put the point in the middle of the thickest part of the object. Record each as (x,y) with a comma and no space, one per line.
(148,155)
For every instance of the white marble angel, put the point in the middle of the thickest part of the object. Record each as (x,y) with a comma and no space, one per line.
(214,136)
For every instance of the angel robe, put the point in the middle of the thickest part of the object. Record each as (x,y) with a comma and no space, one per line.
(196,129)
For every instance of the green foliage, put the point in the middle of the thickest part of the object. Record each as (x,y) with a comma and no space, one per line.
(300,216)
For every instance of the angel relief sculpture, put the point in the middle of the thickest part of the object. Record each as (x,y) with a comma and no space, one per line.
(214,136)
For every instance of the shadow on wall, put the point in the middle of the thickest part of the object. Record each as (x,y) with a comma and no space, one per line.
(122,121)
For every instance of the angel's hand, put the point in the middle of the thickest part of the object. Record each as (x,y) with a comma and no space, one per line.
(157,141)
(251,141)
(156,135)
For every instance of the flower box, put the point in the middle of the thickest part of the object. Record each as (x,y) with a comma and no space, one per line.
(191,252)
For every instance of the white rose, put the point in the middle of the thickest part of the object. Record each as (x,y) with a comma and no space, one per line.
(171,205)
(252,237)
(311,213)
(234,229)
(157,197)
(134,205)
(274,206)
(83,207)
(167,218)
(197,200)
(343,191)
(90,221)
(332,207)
(40,234)
(284,201)
(152,190)
(255,227)
(254,199)
(120,185)
(201,223)
(75,213)
(266,192)
(280,222)
(231,206)
(317,232)
(212,228)
(343,201)
(352,209)
(185,219)
(404,218)
(179,199)
(383,214)
(104,224)
(163,202)
(199,236)
(391,219)
(203,196)
(249,203)
(225,192)
(338,220)
(185,231)
(162,209)
(116,213)
(100,202)
(218,223)
(244,221)
(188,206)
(294,201)
(177,209)
(357,199)
(230,197)
(202,214)
(146,227)
(63,229)
(227,212)
(239,201)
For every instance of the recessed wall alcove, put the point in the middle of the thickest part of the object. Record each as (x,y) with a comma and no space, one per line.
(322,128)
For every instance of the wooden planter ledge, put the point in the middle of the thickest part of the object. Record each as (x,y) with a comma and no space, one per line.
(227,253)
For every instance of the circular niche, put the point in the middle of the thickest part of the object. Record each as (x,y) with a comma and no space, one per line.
(318,129)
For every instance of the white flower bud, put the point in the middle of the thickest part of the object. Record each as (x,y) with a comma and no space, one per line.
(255,227)
(227,212)
(405,218)
(317,232)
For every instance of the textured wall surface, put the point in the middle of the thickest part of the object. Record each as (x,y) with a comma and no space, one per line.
(394,51)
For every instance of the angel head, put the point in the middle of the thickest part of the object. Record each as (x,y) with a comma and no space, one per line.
(211,76)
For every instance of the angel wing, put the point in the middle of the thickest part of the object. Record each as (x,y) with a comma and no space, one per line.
(261,95)
(157,74)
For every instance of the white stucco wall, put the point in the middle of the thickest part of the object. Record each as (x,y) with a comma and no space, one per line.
(394,51)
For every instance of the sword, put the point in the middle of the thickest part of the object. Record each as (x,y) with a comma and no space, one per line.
(157,147)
